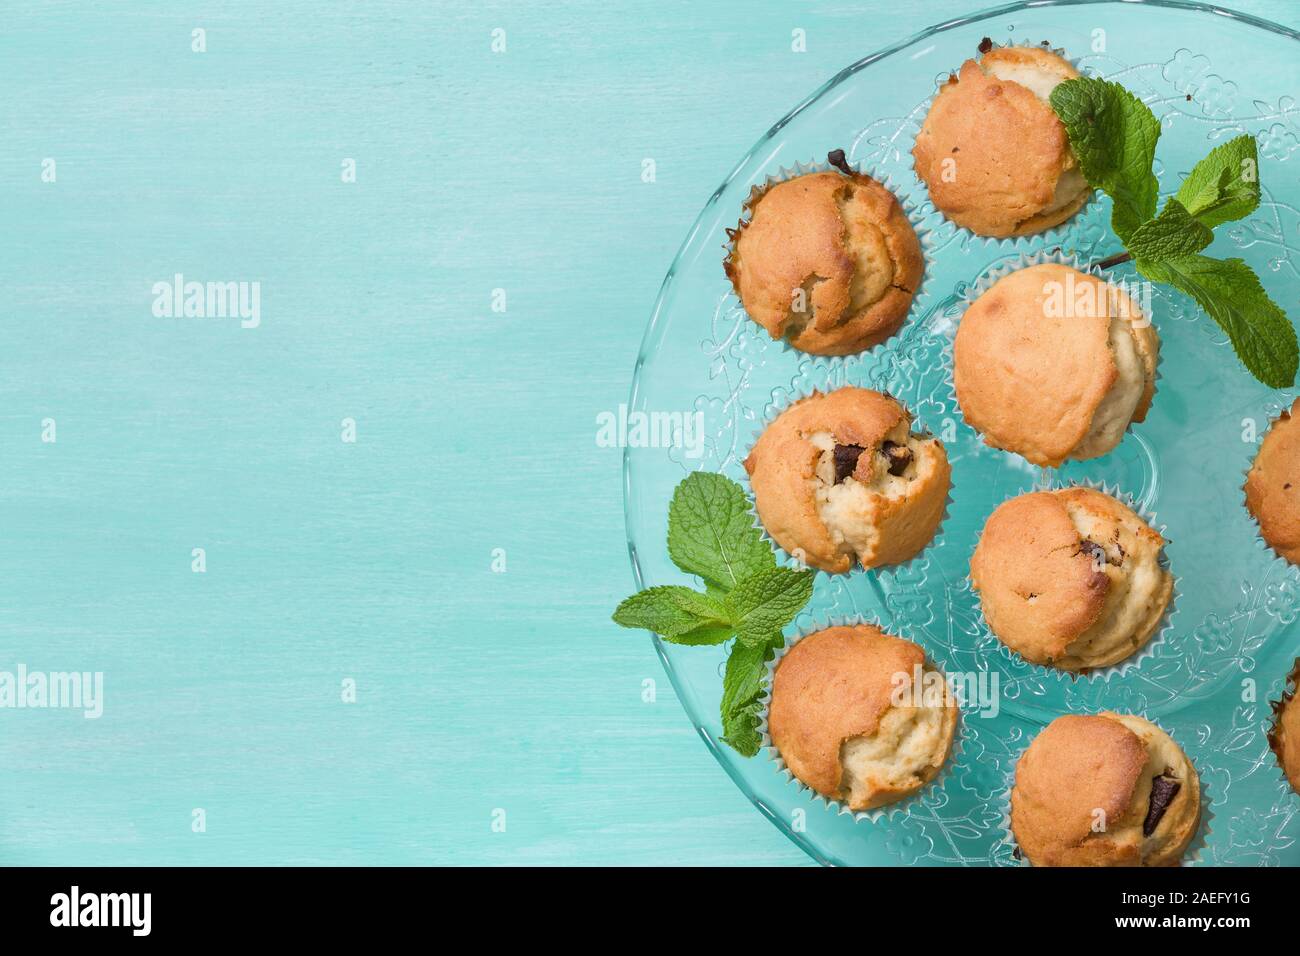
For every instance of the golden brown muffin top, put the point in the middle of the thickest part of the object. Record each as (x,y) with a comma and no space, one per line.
(1075,767)
(831,686)
(842,243)
(1273,486)
(1104,790)
(783,464)
(1007,148)
(1030,558)
(1030,379)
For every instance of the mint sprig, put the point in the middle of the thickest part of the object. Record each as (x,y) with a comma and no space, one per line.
(1113,135)
(711,534)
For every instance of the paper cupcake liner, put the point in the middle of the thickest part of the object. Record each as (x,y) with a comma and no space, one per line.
(932,212)
(1286,690)
(910,210)
(1134,660)
(986,281)
(782,400)
(889,811)
(1192,855)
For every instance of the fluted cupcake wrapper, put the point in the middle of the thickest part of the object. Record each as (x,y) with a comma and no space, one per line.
(782,400)
(934,786)
(1282,693)
(1193,855)
(910,209)
(1133,661)
(986,281)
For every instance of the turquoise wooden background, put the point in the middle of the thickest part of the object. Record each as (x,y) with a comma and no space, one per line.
(369,561)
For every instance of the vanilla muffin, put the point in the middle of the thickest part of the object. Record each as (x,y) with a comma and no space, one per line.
(1053,364)
(1070,578)
(840,478)
(993,153)
(826,260)
(850,720)
(1109,790)
(1285,735)
(1273,486)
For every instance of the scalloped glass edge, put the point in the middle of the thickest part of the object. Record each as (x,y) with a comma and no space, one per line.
(800,840)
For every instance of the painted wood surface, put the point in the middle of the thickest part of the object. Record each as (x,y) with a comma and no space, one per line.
(329,561)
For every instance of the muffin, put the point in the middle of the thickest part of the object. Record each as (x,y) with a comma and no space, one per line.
(826,260)
(993,153)
(1284,738)
(840,478)
(1109,790)
(1071,578)
(850,721)
(1273,486)
(1053,364)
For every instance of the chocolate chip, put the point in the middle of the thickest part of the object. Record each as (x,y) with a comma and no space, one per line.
(1287,486)
(1015,852)
(898,457)
(837,159)
(1093,550)
(1189,97)
(1163,791)
(986,44)
(846,459)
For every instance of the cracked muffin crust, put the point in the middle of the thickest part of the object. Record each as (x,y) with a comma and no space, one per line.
(826,260)
(850,720)
(1104,790)
(840,478)
(992,152)
(1284,738)
(1273,486)
(1053,364)
(1070,578)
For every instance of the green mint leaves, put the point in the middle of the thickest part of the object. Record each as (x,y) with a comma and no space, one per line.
(678,614)
(1224,185)
(1172,234)
(1230,292)
(1113,135)
(711,534)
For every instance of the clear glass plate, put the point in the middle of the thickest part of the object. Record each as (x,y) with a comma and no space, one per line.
(1209,75)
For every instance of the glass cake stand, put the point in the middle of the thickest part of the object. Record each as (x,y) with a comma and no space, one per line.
(1209,74)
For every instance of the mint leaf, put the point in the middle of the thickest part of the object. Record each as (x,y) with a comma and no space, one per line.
(1113,135)
(767,601)
(1171,235)
(743,686)
(711,531)
(677,614)
(1225,184)
(1260,332)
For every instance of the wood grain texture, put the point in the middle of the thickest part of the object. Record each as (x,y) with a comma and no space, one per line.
(476,430)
